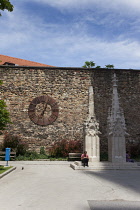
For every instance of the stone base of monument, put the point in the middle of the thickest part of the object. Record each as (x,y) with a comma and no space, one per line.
(105,166)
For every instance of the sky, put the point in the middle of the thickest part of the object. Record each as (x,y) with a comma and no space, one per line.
(66,33)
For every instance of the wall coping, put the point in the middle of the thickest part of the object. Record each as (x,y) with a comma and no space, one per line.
(65,68)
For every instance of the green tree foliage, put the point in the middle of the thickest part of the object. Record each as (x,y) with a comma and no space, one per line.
(5,4)
(89,64)
(109,66)
(4,114)
(98,67)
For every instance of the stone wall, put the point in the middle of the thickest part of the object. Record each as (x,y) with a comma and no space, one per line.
(69,87)
(129,93)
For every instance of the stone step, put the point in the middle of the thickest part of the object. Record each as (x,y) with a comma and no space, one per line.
(101,166)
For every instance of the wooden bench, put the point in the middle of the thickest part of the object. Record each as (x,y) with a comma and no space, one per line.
(12,154)
(74,156)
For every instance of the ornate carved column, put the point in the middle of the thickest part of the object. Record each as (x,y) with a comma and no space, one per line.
(91,127)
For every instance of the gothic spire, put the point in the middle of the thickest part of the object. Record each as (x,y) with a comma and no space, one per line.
(115,114)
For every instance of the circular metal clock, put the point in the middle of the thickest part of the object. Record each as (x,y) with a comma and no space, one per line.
(39,108)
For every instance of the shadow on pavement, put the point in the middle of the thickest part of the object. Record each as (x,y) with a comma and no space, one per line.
(114,205)
(127,179)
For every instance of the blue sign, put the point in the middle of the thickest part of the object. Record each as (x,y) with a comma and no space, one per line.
(7,154)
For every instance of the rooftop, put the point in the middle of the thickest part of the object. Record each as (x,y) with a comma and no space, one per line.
(7,60)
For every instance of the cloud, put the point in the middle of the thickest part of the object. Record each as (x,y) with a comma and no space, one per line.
(28,36)
(123,54)
(108,5)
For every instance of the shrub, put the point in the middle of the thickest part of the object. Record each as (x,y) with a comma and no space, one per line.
(11,141)
(42,151)
(1,146)
(104,156)
(22,147)
(135,150)
(63,147)
(31,155)
(15,143)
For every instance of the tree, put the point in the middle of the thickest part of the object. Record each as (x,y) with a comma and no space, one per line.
(98,67)
(109,66)
(89,64)
(5,4)
(4,115)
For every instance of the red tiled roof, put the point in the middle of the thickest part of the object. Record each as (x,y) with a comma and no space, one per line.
(4,59)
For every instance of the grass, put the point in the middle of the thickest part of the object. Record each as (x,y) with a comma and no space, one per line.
(3,169)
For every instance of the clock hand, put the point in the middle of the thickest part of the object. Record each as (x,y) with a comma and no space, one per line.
(44,110)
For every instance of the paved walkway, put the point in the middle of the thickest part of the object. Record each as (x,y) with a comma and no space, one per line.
(46,185)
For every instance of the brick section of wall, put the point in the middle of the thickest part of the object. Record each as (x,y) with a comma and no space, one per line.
(69,87)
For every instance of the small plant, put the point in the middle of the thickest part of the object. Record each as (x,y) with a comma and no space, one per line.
(42,151)
(22,147)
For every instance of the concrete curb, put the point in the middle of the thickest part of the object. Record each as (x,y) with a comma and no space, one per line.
(7,172)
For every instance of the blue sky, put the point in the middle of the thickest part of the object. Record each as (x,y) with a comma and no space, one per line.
(70,32)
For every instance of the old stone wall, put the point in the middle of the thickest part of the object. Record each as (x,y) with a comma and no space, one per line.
(69,87)
(129,93)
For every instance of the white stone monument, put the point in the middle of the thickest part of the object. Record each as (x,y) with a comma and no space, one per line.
(91,128)
(116,132)
(116,129)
